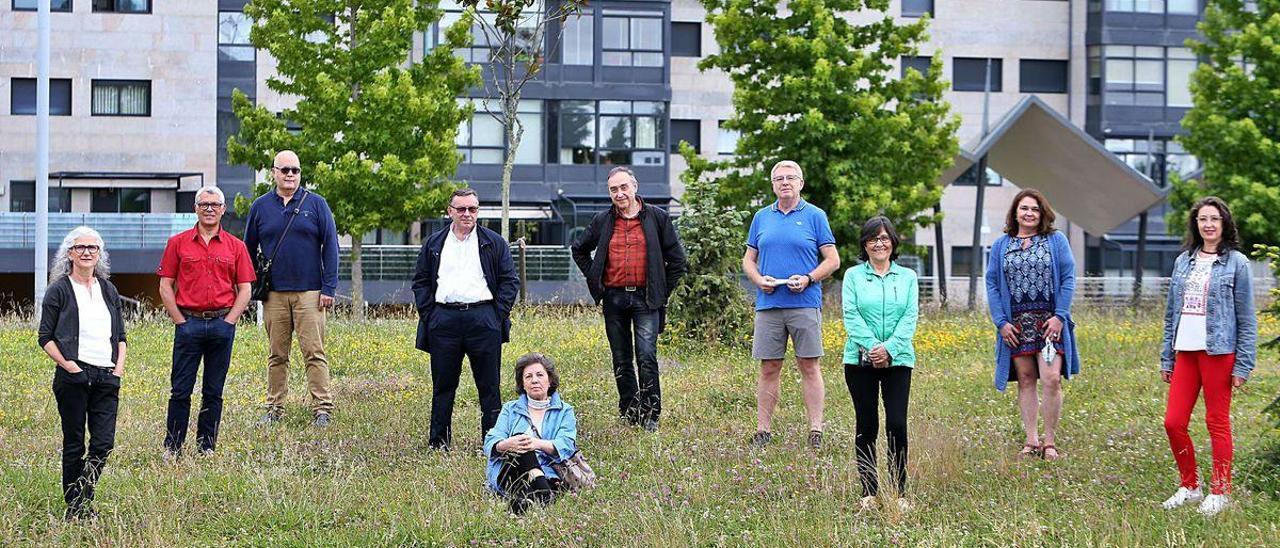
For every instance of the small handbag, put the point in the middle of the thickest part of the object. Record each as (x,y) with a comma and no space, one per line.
(261,286)
(576,473)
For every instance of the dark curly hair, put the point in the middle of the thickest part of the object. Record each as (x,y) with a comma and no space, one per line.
(523,362)
(1230,238)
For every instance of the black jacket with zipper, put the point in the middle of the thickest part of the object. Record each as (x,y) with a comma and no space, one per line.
(60,318)
(663,254)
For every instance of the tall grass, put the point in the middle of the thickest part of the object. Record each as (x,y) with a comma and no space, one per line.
(368,479)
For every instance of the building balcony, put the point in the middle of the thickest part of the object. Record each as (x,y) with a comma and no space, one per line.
(119,230)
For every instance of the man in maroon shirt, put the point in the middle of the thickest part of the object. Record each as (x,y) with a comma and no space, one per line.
(205,274)
(637,261)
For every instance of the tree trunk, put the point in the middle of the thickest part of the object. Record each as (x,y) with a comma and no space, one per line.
(357,278)
(515,130)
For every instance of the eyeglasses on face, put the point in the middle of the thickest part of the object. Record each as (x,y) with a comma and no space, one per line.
(467,209)
(209,206)
(288,170)
(81,249)
(786,178)
(880,240)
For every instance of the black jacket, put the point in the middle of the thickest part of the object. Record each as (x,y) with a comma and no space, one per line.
(60,318)
(664,255)
(499,274)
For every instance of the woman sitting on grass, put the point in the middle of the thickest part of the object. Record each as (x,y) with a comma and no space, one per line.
(532,432)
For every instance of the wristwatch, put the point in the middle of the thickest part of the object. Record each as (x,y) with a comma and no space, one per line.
(811,280)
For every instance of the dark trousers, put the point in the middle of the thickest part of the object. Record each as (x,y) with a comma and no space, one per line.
(867,385)
(87,398)
(632,329)
(198,339)
(477,334)
(514,480)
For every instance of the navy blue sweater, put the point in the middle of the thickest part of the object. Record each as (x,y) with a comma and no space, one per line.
(309,259)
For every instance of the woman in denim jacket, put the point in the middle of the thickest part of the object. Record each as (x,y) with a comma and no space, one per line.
(1210,342)
(532,432)
(1031,278)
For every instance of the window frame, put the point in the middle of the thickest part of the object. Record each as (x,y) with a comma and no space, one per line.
(674,142)
(116,8)
(997,74)
(1023,84)
(71,6)
(677,51)
(236,46)
(13,96)
(121,84)
(917,12)
(632,49)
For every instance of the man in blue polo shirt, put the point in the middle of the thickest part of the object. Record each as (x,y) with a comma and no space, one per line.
(304,278)
(790,250)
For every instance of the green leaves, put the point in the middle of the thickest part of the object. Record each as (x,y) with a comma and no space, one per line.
(811,86)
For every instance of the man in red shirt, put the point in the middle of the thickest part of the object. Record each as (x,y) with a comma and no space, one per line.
(205,274)
(637,261)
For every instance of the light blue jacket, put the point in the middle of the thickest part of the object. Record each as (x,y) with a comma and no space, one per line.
(559,426)
(999,303)
(1231,325)
(881,310)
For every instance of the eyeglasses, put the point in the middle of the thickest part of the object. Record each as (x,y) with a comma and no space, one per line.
(786,178)
(288,170)
(83,249)
(880,240)
(471,209)
(209,206)
(1205,220)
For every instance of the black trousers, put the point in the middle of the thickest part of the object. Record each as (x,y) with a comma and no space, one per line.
(475,333)
(632,329)
(513,475)
(867,385)
(90,398)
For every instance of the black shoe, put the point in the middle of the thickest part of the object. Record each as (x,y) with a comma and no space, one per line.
(815,439)
(650,425)
(761,439)
(321,420)
(520,505)
(80,513)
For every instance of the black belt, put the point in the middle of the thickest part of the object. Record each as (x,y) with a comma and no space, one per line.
(627,288)
(466,306)
(205,314)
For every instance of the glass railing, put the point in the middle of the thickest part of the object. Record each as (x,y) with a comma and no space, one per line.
(397,262)
(119,230)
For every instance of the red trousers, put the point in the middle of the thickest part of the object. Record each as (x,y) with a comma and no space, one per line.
(1191,372)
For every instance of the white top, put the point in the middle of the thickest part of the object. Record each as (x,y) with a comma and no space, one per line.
(461,280)
(1193,327)
(95,324)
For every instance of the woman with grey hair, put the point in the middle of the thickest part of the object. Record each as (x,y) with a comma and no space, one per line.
(83,333)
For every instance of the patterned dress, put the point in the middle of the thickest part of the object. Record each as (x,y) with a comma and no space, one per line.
(1029,273)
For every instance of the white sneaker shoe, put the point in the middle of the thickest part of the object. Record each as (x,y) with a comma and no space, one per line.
(1183,496)
(868,502)
(1213,504)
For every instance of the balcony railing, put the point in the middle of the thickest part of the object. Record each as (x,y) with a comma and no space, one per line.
(119,230)
(396,262)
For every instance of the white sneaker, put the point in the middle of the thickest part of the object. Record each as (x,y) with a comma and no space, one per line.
(1213,504)
(1183,496)
(868,502)
(904,505)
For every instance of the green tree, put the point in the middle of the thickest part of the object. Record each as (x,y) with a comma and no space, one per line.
(377,129)
(709,304)
(1233,126)
(814,87)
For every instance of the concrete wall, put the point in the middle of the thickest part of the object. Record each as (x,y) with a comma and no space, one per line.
(175,48)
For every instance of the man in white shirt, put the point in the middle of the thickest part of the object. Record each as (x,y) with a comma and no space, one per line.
(464,287)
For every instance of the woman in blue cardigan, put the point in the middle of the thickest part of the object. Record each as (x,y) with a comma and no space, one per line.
(1030,281)
(532,432)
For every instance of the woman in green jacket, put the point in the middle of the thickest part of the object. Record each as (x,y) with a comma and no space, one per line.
(881,304)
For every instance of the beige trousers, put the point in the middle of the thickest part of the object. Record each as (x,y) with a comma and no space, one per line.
(284,313)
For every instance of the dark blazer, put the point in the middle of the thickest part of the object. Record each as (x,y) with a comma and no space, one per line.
(60,318)
(664,255)
(499,274)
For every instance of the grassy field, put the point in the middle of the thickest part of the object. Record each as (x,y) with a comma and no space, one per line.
(367,480)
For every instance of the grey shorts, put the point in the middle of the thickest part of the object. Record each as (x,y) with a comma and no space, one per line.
(774,326)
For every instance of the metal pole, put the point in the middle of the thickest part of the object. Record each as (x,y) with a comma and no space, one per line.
(975,263)
(1142,227)
(942,260)
(42,154)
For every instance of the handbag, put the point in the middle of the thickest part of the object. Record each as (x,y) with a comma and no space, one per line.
(261,286)
(574,471)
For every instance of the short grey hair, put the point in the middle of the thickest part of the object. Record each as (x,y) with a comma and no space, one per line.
(61,266)
(623,169)
(211,190)
(787,163)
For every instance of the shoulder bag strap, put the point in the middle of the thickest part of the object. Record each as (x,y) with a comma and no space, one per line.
(297,211)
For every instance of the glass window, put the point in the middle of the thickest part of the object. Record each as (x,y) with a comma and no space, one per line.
(578,41)
(920,64)
(917,8)
(1135,75)
(1180,82)
(482,46)
(623,132)
(233,36)
(970,177)
(22,96)
(122,6)
(121,98)
(482,140)
(1189,7)
(686,39)
(727,144)
(577,132)
(530,150)
(968,73)
(632,38)
(135,200)
(31,5)
(689,131)
(22,198)
(1042,76)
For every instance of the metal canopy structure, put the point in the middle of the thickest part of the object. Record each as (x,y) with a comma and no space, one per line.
(1035,147)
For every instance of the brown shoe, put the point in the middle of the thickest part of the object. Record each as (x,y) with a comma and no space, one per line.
(1044,452)
(1029,451)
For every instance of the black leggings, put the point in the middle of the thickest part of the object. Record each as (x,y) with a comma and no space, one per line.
(866,384)
(513,478)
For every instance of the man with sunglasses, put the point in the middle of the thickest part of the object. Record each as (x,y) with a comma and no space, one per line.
(464,287)
(205,274)
(304,279)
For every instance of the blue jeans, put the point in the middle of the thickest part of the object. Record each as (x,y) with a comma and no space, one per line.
(197,339)
(632,329)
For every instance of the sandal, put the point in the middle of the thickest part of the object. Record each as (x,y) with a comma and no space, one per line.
(1029,450)
(1044,452)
